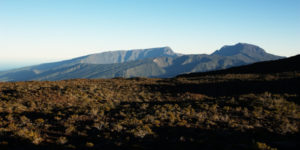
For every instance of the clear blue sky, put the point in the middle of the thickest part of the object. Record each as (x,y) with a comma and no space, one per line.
(33,31)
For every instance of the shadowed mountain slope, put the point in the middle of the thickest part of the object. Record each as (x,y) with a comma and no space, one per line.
(290,64)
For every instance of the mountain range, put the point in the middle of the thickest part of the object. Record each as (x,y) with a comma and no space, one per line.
(160,62)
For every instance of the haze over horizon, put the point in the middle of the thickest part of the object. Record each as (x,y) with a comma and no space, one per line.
(33,32)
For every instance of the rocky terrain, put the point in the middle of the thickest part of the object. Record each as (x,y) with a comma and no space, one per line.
(224,110)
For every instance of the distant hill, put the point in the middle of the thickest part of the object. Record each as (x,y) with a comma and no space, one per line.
(153,62)
(244,50)
(290,64)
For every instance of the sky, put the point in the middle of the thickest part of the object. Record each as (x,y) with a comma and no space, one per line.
(38,31)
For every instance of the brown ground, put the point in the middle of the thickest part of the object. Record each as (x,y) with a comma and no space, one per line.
(232,111)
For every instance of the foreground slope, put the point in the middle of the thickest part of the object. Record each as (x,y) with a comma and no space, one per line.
(155,62)
(277,66)
(215,111)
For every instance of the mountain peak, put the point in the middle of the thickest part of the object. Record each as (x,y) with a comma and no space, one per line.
(164,51)
(122,56)
(240,48)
